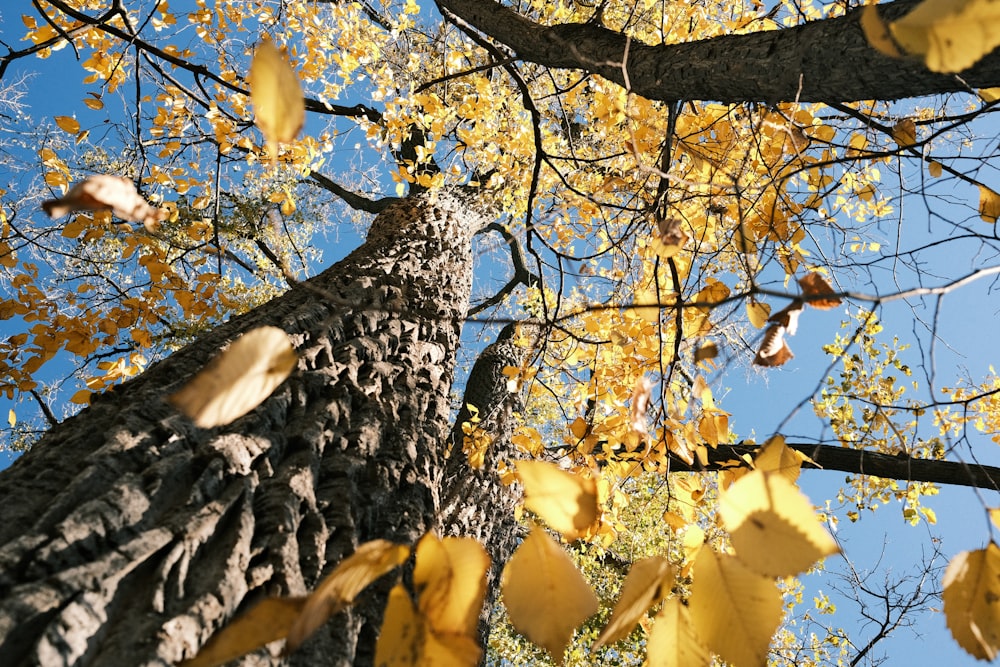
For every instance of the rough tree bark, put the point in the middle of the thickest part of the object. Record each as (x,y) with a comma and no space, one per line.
(129,535)
(820,61)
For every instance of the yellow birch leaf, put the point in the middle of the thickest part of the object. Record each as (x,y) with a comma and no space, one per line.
(579,428)
(68,124)
(545,595)
(566,502)
(989,94)
(776,456)
(934,168)
(758,314)
(401,638)
(279,107)
(989,204)
(267,621)
(94,101)
(951,35)
(648,581)
(81,397)
(971,595)
(338,590)
(994,514)
(735,611)
(238,379)
(673,641)
(12,418)
(877,32)
(773,526)
(905,132)
(450,581)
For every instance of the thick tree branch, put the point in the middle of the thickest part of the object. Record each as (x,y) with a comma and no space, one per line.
(862,462)
(820,61)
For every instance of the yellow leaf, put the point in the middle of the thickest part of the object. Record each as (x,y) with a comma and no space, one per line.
(971,594)
(338,590)
(450,580)
(773,526)
(238,379)
(12,418)
(989,204)
(905,132)
(267,621)
(545,595)
(567,502)
(989,94)
(81,397)
(735,611)
(93,101)
(68,124)
(706,351)
(877,32)
(401,638)
(934,168)
(648,581)
(776,456)
(994,514)
(579,428)
(279,108)
(758,314)
(951,35)
(673,642)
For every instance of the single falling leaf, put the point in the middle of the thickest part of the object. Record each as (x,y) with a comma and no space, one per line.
(278,102)
(68,124)
(670,237)
(238,379)
(814,285)
(12,418)
(566,502)
(546,596)
(267,621)
(773,526)
(776,456)
(934,168)
(994,512)
(639,404)
(673,641)
(758,314)
(101,192)
(905,132)
(735,611)
(705,352)
(788,316)
(989,94)
(648,581)
(338,590)
(989,204)
(774,351)
(971,595)
(877,32)
(450,580)
(951,35)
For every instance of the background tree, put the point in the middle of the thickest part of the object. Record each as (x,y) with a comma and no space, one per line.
(650,232)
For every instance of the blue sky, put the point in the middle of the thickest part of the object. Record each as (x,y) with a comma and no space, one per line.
(760,400)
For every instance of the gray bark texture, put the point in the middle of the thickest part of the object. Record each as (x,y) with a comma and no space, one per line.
(820,61)
(128,535)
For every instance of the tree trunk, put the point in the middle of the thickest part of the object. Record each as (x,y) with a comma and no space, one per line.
(820,61)
(129,535)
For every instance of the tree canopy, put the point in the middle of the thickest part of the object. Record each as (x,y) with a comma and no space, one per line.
(687,198)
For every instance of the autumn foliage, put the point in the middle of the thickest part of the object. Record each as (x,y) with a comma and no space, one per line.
(665,240)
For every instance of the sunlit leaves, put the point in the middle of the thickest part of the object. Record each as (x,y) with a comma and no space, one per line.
(545,595)
(238,379)
(565,501)
(735,610)
(972,601)
(951,35)
(279,107)
(774,529)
